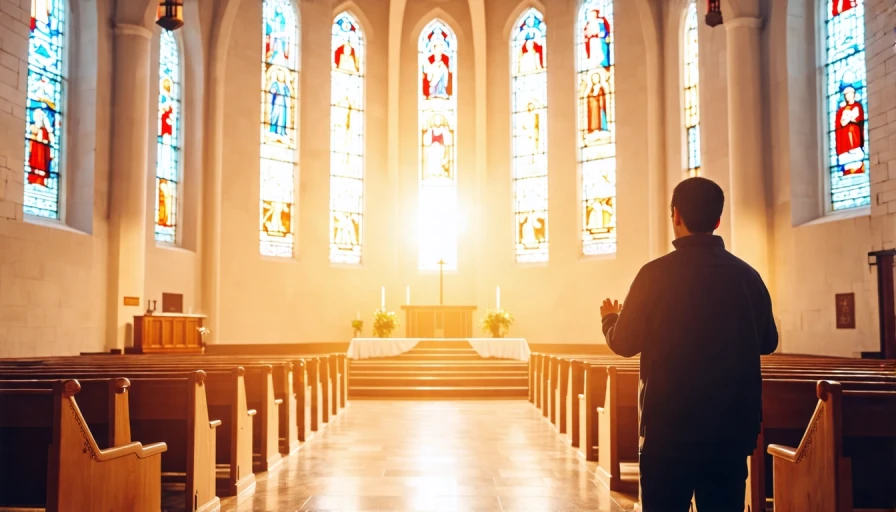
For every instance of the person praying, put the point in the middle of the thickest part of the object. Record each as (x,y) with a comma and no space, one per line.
(700,318)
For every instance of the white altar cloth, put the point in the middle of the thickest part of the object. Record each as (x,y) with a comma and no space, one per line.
(501,348)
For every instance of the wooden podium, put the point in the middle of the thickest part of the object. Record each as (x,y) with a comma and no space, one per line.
(438,321)
(167,333)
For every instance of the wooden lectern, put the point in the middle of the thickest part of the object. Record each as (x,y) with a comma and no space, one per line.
(438,321)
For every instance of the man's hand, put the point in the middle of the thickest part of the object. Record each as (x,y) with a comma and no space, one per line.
(609,307)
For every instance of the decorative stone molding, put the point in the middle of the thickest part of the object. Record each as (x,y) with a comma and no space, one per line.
(124,29)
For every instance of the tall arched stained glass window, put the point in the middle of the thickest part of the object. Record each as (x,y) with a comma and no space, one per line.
(597,126)
(346,140)
(168,140)
(691,62)
(847,103)
(279,137)
(45,106)
(530,144)
(437,106)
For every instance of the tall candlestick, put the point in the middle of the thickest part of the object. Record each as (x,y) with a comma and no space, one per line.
(407,296)
(498,297)
(383,299)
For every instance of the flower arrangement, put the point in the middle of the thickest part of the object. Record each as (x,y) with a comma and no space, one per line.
(384,322)
(203,332)
(357,325)
(497,322)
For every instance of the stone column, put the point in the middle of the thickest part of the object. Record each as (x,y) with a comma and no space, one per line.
(747,201)
(128,179)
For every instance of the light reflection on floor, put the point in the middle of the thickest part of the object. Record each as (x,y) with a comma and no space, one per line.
(409,455)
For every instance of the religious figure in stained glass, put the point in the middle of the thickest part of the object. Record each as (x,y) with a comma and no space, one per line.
(691,92)
(346,140)
(438,152)
(168,140)
(597,127)
(437,75)
(597,38)
(598,120)
(529,121)
(845,87)
(437,110)
(43,126)
(279,79)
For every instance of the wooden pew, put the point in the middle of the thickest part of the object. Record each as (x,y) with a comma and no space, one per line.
(788,403)
(103,404)
(817,475)
(618,428)
(77,475)
(225,392)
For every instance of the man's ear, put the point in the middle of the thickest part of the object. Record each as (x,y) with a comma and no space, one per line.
(718,223)
(676,217)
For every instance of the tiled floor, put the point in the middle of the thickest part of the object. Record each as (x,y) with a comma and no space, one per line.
(408,455)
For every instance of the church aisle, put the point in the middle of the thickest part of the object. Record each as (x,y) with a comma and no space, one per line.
(409,455)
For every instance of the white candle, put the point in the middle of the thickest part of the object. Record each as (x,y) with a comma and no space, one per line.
(498,297)
(407,294)
(383,299)
(359,315)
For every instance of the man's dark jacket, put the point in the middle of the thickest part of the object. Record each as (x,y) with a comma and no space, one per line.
(700,317)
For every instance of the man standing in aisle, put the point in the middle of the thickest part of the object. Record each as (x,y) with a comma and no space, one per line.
(700,318)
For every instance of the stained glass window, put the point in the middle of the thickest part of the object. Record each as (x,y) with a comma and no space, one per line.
(168,140)
(346,140)
(437,105)
(597,126)
(530,144)
(847,103)
(692,91)
(279,86)
(45,104)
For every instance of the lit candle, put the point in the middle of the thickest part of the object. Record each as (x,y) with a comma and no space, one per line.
(407,296)
(498,297)
(383,299)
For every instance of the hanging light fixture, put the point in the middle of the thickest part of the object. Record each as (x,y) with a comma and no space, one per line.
(714,13)
(170,14)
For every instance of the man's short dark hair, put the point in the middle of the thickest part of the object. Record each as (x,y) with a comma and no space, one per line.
(700,202)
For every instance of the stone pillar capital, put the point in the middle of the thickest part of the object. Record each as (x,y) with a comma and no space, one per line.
(743,22)
(126,29)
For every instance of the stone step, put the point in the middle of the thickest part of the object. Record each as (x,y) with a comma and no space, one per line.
(485,365)
(355,374)
(438,392)
(439,381)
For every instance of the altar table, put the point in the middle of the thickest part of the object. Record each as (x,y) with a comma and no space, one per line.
(500,348)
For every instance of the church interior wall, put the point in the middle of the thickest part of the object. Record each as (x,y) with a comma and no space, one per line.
(55,278)
(52,274)
(818,256)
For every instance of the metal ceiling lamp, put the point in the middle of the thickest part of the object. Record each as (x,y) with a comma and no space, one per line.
(170,14)
(714,13)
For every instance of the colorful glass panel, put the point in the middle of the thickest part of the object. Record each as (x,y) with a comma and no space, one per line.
(692,91)
(279,86)
(44,110)
(847,104)
(346,140)
(168,140)
(437,105)
(530,144)
(597,126)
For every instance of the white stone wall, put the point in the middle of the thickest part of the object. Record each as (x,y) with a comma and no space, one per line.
(815,256)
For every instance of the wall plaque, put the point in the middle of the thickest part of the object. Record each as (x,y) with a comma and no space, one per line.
(132,301)
(846,310)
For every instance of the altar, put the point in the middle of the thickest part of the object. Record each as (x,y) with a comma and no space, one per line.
(438,321)
(499,348)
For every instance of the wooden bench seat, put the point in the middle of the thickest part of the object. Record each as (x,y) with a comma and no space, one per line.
(77,475)
(849,440)
(225,392)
